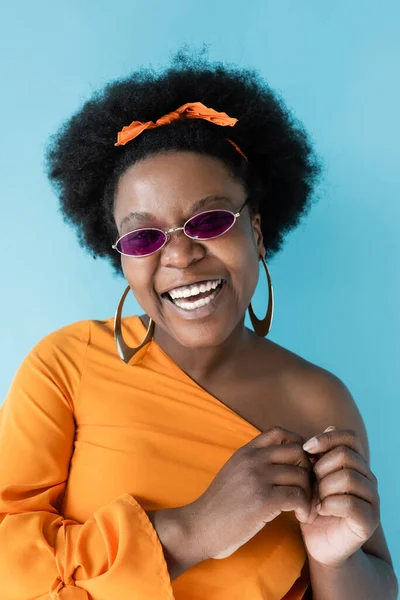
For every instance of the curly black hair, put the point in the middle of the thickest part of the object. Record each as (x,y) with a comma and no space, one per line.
(83,164)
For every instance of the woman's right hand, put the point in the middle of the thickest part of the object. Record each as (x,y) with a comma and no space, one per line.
(269,475)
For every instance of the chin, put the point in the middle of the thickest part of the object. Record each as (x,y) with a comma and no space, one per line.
(197,335)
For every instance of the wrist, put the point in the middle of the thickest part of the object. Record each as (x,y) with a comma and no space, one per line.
(177,534)
(338,564)
(192,530)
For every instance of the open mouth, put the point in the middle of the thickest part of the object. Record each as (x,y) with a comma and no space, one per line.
(196,300)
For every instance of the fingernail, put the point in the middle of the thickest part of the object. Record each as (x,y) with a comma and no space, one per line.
(318,506)
(311,444)
(330,428)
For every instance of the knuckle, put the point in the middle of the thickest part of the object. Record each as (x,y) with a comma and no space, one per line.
(246,453)
(352,502)
(257,472)
(351,433)
(302,473)
(294,492)
(347,474)
(298,449)
(276,429)
(250,465)
(318,470)
(257,467)
(343,452)
(249,455)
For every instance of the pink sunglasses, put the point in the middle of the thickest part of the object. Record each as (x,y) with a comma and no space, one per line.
(204,226)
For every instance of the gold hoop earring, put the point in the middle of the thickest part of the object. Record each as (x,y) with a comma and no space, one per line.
(130,355)
(262,326)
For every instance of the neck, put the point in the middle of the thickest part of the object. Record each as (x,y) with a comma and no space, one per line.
(205,364)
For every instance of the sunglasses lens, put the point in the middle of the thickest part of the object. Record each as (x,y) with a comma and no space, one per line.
(209,224)
(141,242)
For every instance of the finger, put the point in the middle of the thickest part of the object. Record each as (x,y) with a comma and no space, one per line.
(347,481)
(330,439)
(287,498)
(342,457)
(284,480)
(349,507)
(276,435)
(290,453)
(290,475)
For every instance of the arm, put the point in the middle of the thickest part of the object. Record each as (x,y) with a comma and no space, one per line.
(362,576)
(113,554)
(369,572)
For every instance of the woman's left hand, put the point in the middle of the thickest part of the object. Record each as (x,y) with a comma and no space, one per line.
(348,492)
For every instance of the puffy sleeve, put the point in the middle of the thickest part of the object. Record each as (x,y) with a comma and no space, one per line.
(116,553)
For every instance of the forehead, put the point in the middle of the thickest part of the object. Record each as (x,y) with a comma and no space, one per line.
(166,184)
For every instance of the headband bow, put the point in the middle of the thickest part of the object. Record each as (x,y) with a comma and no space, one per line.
(190,110)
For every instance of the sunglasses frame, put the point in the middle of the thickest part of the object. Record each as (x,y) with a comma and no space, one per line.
(168,231)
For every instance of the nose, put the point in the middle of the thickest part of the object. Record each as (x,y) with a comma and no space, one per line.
(180,251)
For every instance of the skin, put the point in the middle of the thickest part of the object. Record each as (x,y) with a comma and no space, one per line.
(166,185)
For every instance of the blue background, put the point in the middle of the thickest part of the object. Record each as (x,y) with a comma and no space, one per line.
(336,282)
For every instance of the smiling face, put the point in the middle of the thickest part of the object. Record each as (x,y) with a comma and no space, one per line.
(166,187)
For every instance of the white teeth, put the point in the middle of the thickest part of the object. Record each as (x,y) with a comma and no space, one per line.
(194,290)
(196,303)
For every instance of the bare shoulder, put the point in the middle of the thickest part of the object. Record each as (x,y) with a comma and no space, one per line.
(320,395)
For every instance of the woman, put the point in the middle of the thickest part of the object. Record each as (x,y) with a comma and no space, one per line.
(161,455)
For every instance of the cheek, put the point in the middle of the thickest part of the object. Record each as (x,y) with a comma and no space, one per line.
(241,261)
(139,275)
(249,264)
(250,273)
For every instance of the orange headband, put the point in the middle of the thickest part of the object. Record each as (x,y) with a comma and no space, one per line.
(191,110)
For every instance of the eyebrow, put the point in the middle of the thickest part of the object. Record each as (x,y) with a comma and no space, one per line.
(146,216)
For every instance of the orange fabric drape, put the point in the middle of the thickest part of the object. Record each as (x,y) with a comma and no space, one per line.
(88,444)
